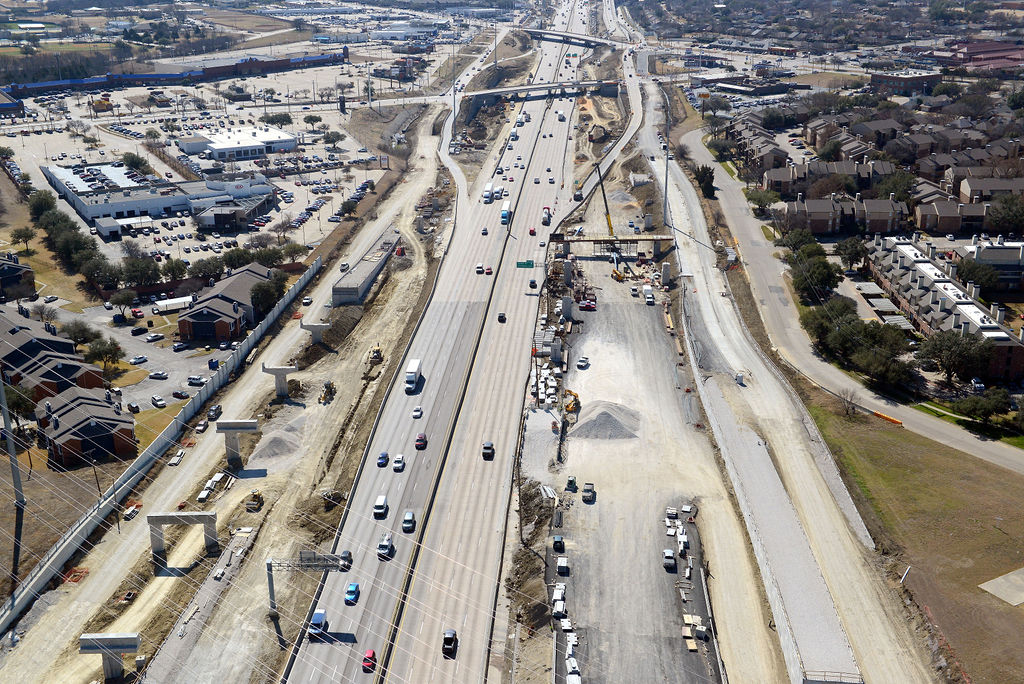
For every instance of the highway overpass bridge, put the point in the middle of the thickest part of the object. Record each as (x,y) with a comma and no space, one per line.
(558,88)
(572,38)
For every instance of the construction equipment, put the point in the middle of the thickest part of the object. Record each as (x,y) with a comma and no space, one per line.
(574,404)
(375,356)
(328,393)
(255,501)
(617,275)
(607,214)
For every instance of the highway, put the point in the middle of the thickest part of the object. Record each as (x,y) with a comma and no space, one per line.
(475,373)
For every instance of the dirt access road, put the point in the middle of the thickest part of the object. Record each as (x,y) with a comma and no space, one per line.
(114,556)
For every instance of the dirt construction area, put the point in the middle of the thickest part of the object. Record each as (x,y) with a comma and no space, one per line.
(306,447)
(639,438)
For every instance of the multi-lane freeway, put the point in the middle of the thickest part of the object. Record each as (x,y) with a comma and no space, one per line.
(444,574)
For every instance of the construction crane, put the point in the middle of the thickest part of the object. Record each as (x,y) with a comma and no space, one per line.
(607,214)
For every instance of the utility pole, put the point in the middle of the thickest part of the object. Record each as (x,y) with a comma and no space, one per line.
(12,455)
(668,147)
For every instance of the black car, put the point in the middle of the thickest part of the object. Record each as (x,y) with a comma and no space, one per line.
(139,330)
(214,412)
(449,643)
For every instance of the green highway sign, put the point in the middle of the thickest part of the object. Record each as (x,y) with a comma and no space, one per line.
(525,264)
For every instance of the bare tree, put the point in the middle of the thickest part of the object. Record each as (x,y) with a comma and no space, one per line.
(848,399)
(46,313)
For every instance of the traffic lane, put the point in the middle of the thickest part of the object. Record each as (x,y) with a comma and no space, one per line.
(473,531)
(495,417)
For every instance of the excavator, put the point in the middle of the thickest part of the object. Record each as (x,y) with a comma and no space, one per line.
(573,404)
(328,393)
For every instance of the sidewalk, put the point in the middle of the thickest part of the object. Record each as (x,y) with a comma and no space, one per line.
(780,318)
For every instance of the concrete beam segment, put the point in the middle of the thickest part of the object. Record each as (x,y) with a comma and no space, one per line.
(112,647)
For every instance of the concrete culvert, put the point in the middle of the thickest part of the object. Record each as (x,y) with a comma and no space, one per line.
(606,420)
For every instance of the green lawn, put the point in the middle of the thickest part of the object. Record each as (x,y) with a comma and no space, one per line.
(989,431)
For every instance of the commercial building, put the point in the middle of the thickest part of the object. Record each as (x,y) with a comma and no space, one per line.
(239,143)
(910,82)
(929,295)
(112,191)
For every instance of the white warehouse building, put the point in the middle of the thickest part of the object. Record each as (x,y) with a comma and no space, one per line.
(239,143)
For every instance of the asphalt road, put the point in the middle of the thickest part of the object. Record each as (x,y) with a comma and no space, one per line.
(471,393)
(782,323)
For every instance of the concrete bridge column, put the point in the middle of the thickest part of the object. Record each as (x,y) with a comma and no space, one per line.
(317,329)
(280,374)
(231,429)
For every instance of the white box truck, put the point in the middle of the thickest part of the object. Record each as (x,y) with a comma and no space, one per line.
(412,375)
(648,294)
(488,193)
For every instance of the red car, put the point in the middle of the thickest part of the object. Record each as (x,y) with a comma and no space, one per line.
(533,231)
(369,660)
(587,305)
(137,313)
(488,270)
(179,394)
(421,441)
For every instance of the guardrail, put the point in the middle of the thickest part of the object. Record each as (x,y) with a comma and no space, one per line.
(51,562)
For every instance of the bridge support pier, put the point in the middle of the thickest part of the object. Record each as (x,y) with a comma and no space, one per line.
(280,374)
(231,429)
(317,329)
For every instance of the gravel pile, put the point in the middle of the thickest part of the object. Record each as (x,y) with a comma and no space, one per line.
(606,420)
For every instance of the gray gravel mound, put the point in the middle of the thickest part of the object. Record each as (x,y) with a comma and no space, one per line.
(606,420)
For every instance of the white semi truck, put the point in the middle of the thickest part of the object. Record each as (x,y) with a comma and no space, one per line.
(412,375)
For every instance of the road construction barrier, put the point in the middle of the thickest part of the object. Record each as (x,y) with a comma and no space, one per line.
(894,421)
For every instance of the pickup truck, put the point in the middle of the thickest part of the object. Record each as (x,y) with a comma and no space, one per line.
(668,560)
(589,493)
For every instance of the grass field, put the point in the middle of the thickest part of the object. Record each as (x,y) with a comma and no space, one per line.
(40,258)
(954,519)
(244,21)
(993,431)
(292,36)
(150,423)
(61,47)
(828,79)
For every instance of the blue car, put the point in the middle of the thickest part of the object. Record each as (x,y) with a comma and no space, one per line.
(352,593)
(382,460)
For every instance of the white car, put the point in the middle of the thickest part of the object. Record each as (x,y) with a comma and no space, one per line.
(582,362)
(136,360)
(158,375)
(306,301)
(398,465)
(417,412)
(158,401)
